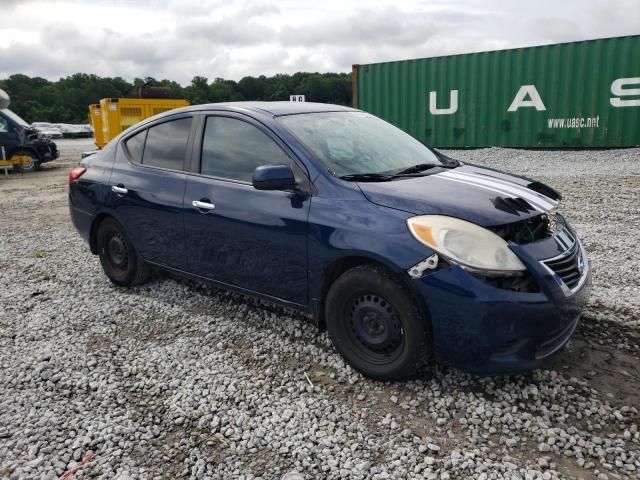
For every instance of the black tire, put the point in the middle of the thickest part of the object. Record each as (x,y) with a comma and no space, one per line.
(29,167)
(377,326)
(119,259)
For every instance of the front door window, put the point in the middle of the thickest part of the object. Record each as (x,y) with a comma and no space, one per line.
(233,149)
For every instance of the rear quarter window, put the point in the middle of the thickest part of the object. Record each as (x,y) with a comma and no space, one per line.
(135,146)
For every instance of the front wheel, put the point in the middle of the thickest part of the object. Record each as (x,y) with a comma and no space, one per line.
(118,257)
(376,324)
(30,165)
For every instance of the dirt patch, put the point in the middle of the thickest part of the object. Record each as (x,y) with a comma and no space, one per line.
(614,373)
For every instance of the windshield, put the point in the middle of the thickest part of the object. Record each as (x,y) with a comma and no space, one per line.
(13,117)
(355,143)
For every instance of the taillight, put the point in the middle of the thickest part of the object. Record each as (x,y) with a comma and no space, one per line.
(76,173)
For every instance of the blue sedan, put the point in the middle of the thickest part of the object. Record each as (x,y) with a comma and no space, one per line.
(404,254)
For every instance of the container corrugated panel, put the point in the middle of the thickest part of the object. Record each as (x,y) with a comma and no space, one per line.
(118,114)
(579,94)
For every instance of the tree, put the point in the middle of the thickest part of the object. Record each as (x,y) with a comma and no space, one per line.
(198,91)
(67,99)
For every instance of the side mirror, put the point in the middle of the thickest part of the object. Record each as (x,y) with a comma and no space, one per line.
(274,177)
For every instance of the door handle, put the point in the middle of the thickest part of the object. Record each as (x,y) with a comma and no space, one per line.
(119,190)
(203,205)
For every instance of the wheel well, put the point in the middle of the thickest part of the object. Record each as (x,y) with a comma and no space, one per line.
(30,150)
(341,266)
(93,241)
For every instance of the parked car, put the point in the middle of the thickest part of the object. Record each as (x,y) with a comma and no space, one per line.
(403,253)
(69,130)
(47,129)
(84,130)
(18,139)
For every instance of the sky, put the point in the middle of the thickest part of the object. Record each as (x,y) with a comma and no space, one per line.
(178,39)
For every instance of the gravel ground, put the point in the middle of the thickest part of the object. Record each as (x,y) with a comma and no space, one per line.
(175,379)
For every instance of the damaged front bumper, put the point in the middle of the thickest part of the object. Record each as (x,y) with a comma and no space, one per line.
(481,328)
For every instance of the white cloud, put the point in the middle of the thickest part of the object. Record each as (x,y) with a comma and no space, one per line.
(178,39)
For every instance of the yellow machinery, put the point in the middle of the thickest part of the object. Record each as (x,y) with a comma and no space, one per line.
(95,119)
(114,115)
(14,161)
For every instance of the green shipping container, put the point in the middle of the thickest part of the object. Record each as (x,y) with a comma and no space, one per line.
(579,94)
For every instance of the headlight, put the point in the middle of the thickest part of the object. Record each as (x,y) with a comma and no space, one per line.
(465,243)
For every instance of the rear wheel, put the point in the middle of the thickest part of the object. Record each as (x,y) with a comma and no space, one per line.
(376,324)
(30,165)
(118,257)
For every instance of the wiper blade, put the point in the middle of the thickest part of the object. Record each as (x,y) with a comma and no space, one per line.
(367,177)
(421,167)
(391,175)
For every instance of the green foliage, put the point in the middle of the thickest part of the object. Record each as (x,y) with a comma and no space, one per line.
(66,101)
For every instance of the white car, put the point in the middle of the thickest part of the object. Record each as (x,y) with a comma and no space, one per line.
(47,129)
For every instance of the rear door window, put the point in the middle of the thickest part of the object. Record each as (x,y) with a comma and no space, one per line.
(233,149)
(166,144)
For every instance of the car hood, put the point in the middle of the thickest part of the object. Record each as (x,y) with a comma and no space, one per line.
(479,195)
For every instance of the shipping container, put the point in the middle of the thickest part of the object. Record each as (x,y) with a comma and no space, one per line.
(95,120)
(118,114)
(568,95)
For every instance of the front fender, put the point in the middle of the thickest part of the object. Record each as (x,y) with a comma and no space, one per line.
(344,229)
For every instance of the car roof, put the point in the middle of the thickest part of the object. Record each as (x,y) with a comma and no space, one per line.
(274,108)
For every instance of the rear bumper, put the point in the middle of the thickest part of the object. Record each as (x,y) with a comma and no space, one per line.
(81,220)
(483,329)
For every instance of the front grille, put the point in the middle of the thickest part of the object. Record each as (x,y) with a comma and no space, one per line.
(567,267)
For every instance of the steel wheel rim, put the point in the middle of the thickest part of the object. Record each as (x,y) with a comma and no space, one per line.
(374,328)
(117,253)
(28,166)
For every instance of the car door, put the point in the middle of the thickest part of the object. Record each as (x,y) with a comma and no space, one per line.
(9,138)
(253,239)
(147,189)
